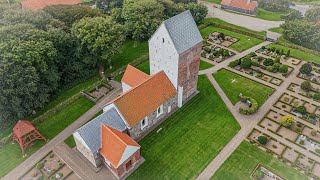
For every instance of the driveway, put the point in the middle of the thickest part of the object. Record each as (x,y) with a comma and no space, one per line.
(248,22)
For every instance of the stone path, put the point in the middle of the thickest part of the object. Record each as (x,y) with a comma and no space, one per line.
(248,22)
(249,122)
(37,156)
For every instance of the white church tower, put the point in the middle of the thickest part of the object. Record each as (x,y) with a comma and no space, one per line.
(175,48)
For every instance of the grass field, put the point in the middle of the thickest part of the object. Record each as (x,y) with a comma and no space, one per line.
(215,1)
(243,85)
(244,43)
(219,21)
(269,15)
(246,157)
(130,51)
(204,65)
(10,154)
(189,139)
(298,54)
(277,30)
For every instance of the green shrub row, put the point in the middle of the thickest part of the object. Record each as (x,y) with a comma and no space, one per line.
(254,106)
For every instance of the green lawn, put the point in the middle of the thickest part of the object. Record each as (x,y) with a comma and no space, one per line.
(246,157)
(130,51)
(215,1)
(277,30)
(189,139)
(204,65)
(10,154)
(243,85)
(219,21)
(298,54)
(244,43)
(269,15)
(70,141)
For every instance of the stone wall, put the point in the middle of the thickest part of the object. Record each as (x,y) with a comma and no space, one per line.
(188,71)
(153,121)
(95,159)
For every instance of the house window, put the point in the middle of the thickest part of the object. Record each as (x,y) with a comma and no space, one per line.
(159,110)
(144,123)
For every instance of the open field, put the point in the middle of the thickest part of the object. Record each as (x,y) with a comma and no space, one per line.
(269,15)
(246,157)
(244,43)
(298,54)
(204,65)
(10,154)
(247,87)
(189,139)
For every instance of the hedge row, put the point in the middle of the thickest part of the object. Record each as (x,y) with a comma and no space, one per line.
(254,106)
(258,36)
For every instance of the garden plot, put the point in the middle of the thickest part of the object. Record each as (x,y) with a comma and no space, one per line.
(297,102)
(314,76)
(275,146)
(293,61)
(215,53)
(294,87)
(287,133)
(254,134)
(290,155)
(286,98)
(49,167)
(304,163)
(311,133)
(221,39)
(273,115)
(283,106)
(310,107)
(267,123)
(316,170)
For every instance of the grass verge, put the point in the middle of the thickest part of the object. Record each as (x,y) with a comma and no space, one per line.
(204,65)
(269,15)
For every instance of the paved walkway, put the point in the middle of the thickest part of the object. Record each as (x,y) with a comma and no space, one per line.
(248,22)
(22,168)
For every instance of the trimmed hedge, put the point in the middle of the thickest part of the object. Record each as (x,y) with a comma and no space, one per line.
(247,111)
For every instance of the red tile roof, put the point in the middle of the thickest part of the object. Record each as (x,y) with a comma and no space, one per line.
(40,4)
(142,100)
(133,76)
(242,4)
(116,146)
(22,128)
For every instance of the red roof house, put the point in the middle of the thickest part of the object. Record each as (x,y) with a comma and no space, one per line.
(40,4)
(243,6)
(120,152)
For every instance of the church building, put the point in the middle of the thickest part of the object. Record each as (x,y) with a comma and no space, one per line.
(147,100)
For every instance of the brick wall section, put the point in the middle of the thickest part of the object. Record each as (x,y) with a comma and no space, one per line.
(189,62)
(121,170)
(136,133)
(95,159)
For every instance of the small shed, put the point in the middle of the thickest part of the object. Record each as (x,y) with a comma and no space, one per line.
(25,133)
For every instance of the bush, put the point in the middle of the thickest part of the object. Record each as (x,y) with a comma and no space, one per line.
(287,121)
(270,68)
(317,150)
(301,142)
(276,66)
(245,63)
(268,62)
(211,57)
(258,175)
(226,53)
(313,132)
(262,140)
(254,106)
(255,63)
(253,54)
(316,96)
(234,63)
(40,165)
(274,146)
(306,69)
(283,69)
(301,109)
(306,86)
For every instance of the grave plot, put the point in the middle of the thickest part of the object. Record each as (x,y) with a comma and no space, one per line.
(304,163)
(294,88)
(288,134)
(97,92)
(286,98)
(254,134)
(275,116)
(267,123)
(275,146)
(297,102)
(311,108)
(314,76)
(293,61)
(261,172)
(221,39)
(311,133)
(50,167)
(290,155)
(283,106)
(215,53)
(316,170)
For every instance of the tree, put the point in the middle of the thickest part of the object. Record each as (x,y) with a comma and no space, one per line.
(107,5)
(306,86)
(275,5)
(198,11)
(262,140)
(268,62)
(101,36)
(287,121)
(185,1)
(306,69)
(294,15)
(70,14)
(142,17)
(245,63)
(301,109)
(313,14)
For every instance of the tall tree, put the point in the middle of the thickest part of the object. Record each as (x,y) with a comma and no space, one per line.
(198,11)
(101,36)
(313,14)
(142,17)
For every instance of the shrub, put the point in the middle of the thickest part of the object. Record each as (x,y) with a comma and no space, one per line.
(255,63)
(313,132)
(317,150)
(301,142)
(211,57)
(287,121)
(298,130)
(203,54)
(274,146)
(253,54)
(254,106)
(283,69)
(276,66)
(207,49)
(306,86)
(301,109)
(268,62)
(288,53)
(258,174)
(234,63)
(270,68)
(262,140)
(277,60)
(306,69)
(316,96)
(40,165)
(245,63)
